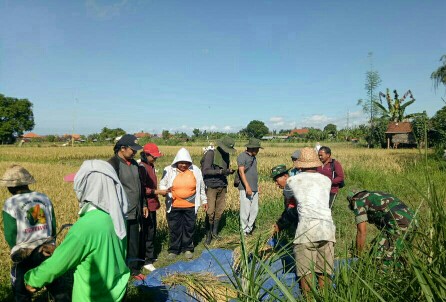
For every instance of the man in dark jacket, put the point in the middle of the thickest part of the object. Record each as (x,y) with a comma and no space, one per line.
(216,168)
(128,172)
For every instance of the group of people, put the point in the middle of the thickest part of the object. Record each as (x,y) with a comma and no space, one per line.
(309,191)
(114,237)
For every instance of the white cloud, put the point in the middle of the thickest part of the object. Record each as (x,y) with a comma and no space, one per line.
(104,11)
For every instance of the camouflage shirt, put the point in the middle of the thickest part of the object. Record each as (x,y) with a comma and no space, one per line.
(383,210)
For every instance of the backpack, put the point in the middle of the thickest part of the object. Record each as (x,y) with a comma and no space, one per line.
(332,165)
(205,150)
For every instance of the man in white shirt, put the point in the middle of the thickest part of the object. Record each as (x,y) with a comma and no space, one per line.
(315,233)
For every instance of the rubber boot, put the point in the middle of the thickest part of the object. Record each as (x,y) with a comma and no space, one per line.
(215,229)
(208,231)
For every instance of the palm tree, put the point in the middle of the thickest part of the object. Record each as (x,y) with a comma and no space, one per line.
(439,75)
(395,110)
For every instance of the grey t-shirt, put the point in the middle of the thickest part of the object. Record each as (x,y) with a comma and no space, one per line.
(250,163)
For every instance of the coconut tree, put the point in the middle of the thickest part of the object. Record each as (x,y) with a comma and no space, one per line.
(396,107)
(439,75)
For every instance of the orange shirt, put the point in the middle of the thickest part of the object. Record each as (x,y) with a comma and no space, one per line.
(183,188)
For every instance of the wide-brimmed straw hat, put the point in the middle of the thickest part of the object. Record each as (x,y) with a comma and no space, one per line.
(16,176)
(308,158)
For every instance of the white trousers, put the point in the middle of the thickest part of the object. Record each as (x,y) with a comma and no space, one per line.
(249,208)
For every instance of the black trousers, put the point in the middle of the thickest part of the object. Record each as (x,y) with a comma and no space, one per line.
(148,238)
(181,223)
(134,262)
(60,288)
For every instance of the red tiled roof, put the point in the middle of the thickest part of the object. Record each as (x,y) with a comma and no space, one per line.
(31,135)
(399,127)
(299,131)
(142,134)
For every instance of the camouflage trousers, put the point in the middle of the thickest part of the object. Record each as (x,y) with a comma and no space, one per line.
(390,244)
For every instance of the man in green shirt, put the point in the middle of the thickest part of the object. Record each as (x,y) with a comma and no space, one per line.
(29,228)
(95,246)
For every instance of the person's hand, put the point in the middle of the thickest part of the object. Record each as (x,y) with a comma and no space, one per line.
(227,172)
(30,288)
(47,249)
(205,207)
(161,192)
(145,212)
(248,192)
(275,228)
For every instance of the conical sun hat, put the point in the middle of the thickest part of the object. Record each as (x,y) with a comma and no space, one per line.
(16,176)
(308,158)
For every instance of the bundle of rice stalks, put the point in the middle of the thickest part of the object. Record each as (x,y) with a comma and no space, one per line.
(252,244)
(202,286)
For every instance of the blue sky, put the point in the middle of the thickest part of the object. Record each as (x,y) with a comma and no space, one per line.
(214,65)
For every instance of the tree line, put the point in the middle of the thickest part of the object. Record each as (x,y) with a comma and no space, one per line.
(16,117)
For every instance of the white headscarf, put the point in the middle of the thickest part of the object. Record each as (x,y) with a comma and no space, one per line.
(97,183)
(182,155)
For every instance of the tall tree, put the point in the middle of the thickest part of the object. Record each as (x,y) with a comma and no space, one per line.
(255,129)
(16,117)
(439,126)
(420,126)
(331,129)
(439,75)
(165,134)
(396,108)
(373,80)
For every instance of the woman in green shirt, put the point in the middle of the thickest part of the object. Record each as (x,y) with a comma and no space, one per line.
(95,246)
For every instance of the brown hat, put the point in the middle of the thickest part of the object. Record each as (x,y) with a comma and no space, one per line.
(308,159)
(16,176)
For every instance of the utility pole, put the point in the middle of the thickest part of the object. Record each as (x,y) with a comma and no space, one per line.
(370,55)
(74,119)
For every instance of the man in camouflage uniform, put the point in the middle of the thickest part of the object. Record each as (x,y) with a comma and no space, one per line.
(389,214)
(289,217)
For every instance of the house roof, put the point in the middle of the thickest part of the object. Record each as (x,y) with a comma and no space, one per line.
(299,131)
(399,127)
(31,135)
(142,134)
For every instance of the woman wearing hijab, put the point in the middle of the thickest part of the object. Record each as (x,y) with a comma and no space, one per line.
(186,193)
(95,246)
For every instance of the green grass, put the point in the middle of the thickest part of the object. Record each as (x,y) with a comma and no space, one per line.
(405,173)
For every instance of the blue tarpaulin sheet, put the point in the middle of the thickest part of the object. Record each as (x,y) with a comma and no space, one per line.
(207,263)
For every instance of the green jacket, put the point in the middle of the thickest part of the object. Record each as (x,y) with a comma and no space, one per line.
(92,248)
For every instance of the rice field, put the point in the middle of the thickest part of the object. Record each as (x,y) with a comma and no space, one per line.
(409,174)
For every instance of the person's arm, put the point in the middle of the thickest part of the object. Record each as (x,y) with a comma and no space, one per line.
(66,256)
(145,181)
(361,234)
(163,185)
(53,224)
(339,172)
(207,167)
(10,229)
(241,171)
